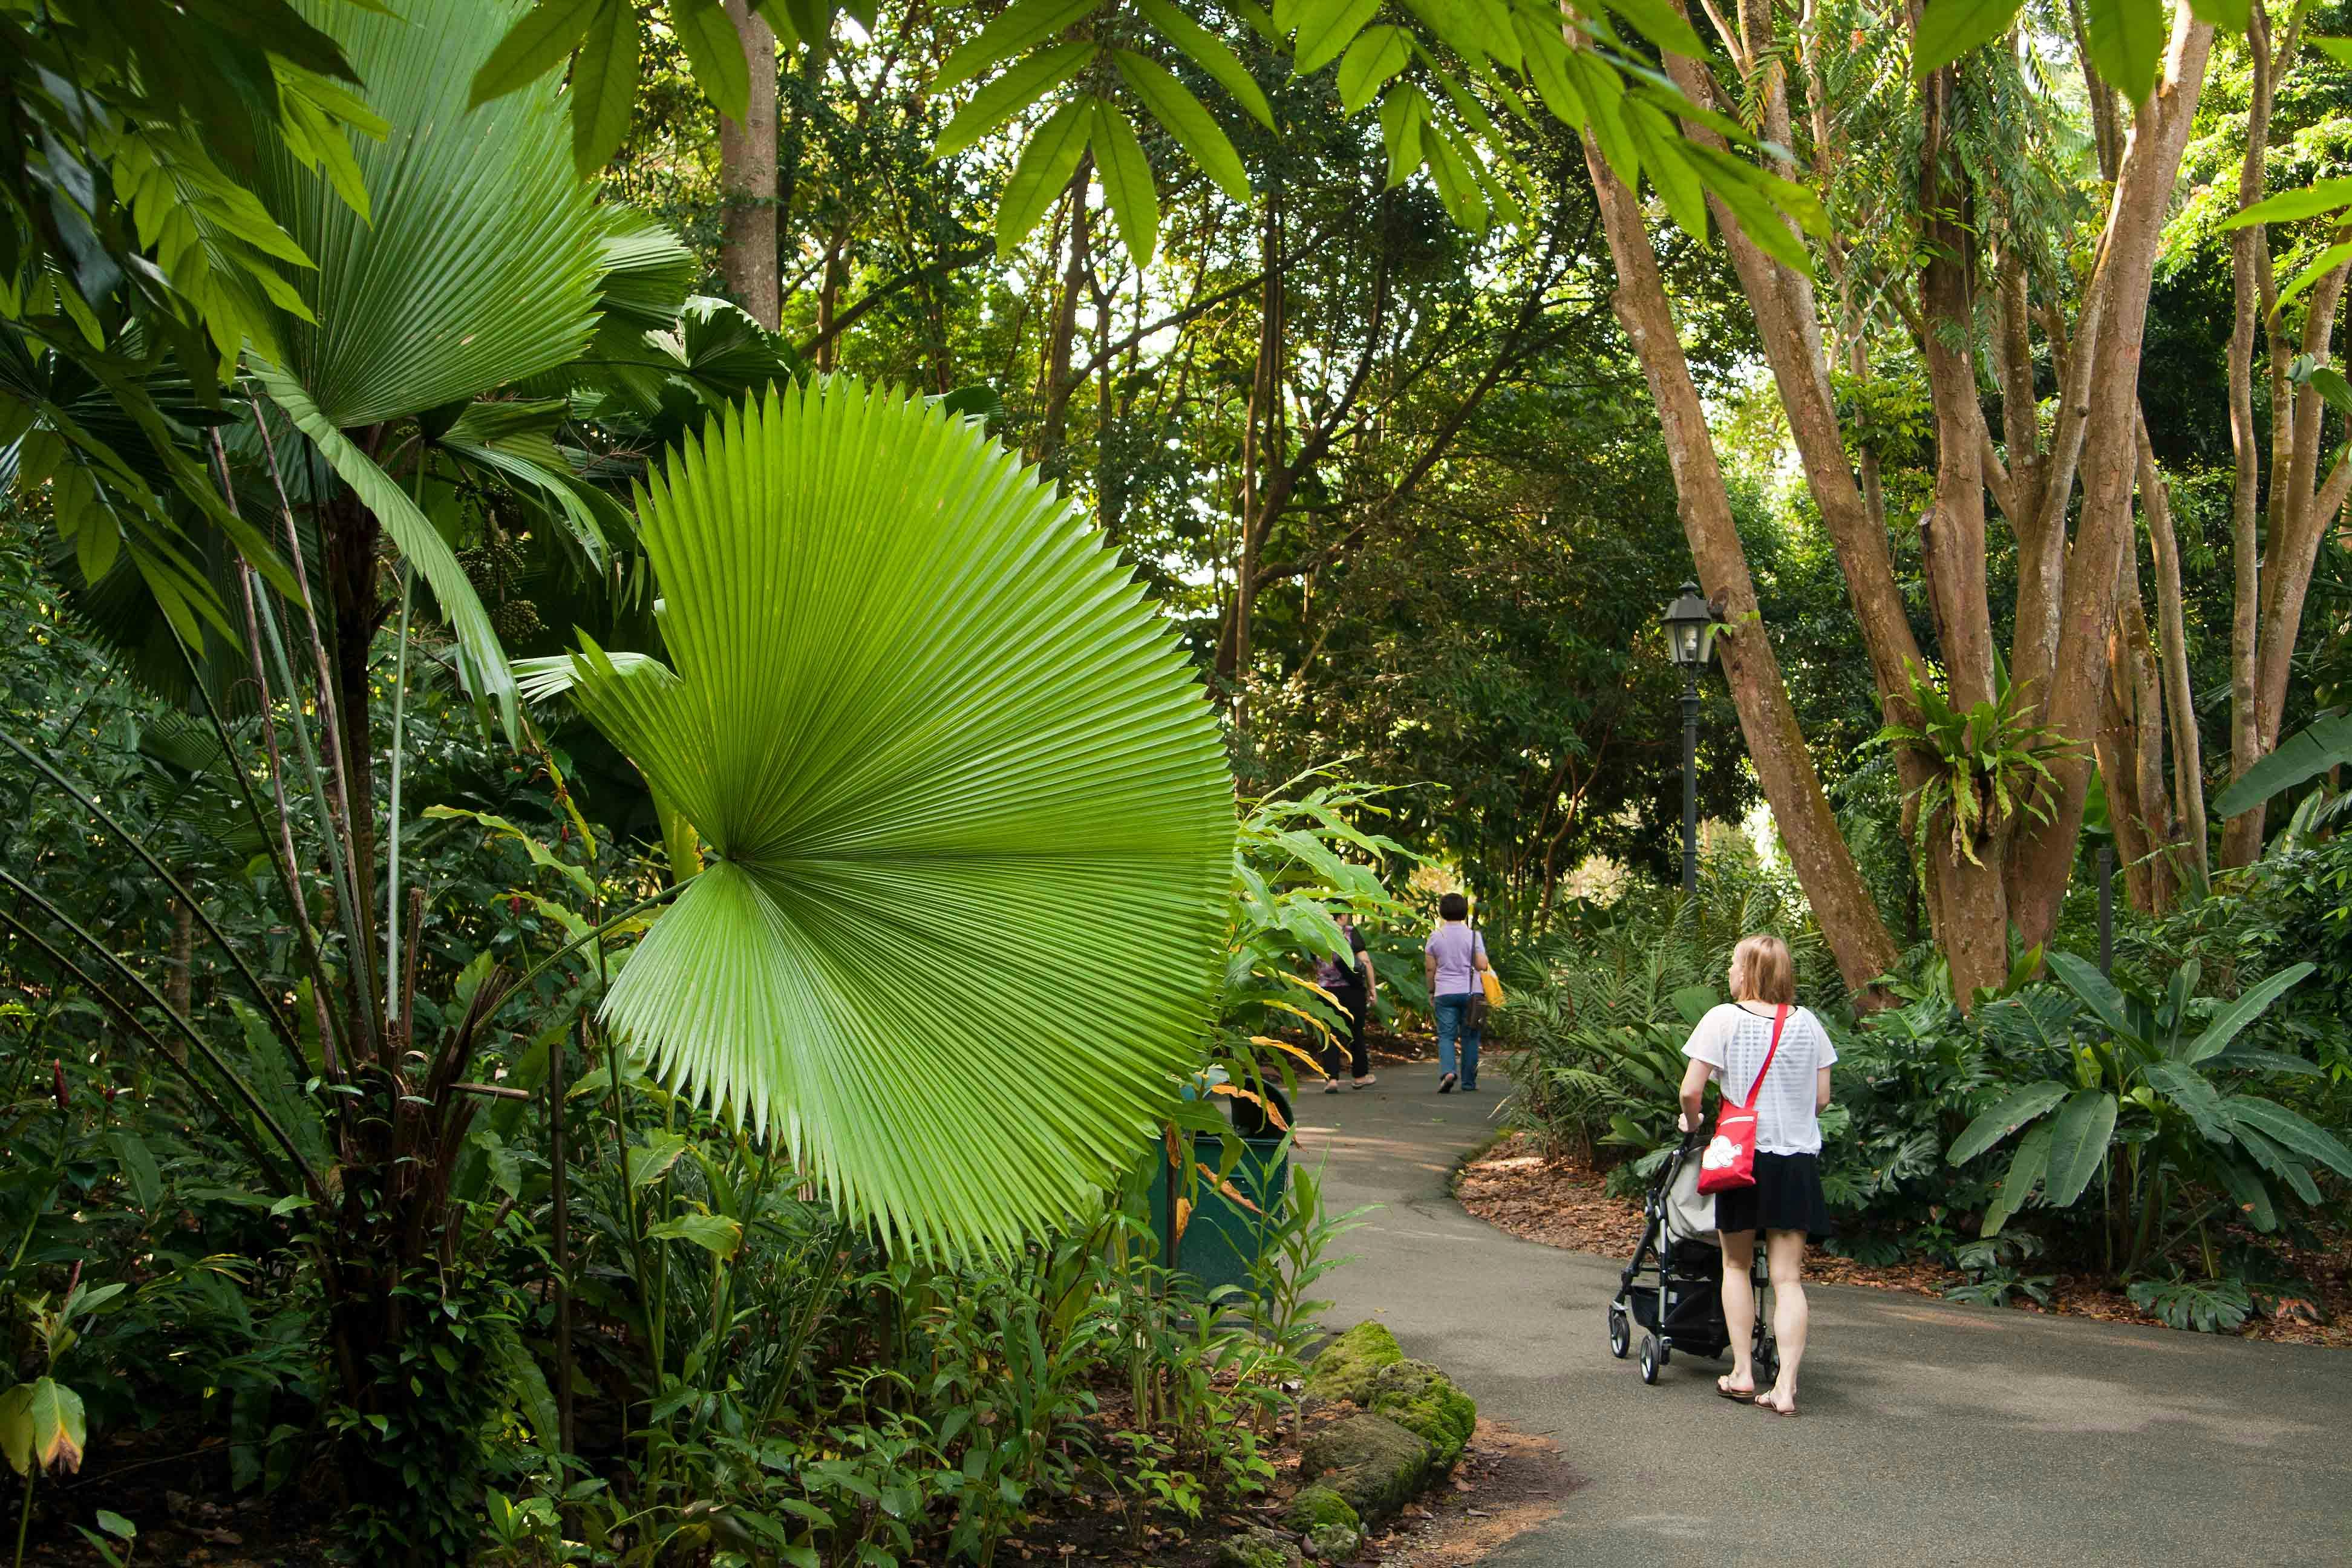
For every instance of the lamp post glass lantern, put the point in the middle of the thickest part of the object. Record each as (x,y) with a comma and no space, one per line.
(1690,642)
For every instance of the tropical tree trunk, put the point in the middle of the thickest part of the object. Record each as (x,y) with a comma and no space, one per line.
(1849,920)
(1057,380)
(2179,699)
(2249,246)
(747,179)
(2110,463)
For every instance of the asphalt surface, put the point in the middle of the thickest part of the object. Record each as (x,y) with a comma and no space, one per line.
(1930,1432)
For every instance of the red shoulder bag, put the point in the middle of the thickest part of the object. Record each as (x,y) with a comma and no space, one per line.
(1729,1162)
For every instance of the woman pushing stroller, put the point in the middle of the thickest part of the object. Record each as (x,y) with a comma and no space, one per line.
(1761,1047)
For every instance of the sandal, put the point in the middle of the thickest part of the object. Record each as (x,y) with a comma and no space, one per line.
(1764,1404)
(1330,1085)
(1445,1084)
(1366,1081)
(1736,1396)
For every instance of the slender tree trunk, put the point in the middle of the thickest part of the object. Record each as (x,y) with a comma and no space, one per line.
(2110,461)
(177,990)
(2179,699)
(1056,420)
(2242,837)
(747,179)
(1850,921)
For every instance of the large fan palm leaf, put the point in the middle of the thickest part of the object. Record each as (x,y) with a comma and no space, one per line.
(970,816)
(478,263)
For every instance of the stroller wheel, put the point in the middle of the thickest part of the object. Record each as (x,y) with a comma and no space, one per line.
(1653,1357)
(1620,1331)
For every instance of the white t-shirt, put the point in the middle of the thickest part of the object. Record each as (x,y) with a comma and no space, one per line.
(1733,1041)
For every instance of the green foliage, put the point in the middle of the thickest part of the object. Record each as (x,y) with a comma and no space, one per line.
(999,769)
(1990,764)
(2152,1093)
(2209,1307)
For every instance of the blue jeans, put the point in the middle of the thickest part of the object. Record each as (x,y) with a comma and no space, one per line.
(1450,1023)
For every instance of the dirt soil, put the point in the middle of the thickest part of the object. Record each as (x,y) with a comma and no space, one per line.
(1564,1204)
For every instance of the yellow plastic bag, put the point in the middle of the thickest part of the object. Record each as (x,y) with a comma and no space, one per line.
(1493,987)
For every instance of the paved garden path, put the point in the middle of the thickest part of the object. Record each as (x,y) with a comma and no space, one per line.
(1933,1433)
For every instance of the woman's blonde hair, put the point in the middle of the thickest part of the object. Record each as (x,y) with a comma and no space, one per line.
(1762,971)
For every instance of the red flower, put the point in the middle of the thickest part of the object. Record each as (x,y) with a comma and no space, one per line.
(59,1070)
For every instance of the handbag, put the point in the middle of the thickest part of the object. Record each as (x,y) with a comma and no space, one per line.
(1490,990)
(1729,1162)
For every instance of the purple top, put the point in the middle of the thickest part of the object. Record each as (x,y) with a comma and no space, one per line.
(1451,944)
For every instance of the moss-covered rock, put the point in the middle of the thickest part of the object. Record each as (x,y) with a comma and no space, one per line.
(1258,1547)
(1423,1400)
(1372,1462)
(1345,1368)
(1315,1507)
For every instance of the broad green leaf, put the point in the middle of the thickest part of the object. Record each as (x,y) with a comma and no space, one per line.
(1013,93)
(2248,1193)
(714,50)
(2003,1119)
(1211,53)
(1171,103)
(1042,173)
(2304,201)
(2279,1163)
(2326,261)
(2305,754)
(1450,158)
(479,266)
(1546,53)
(1950,29)
(2127,42)
(1677,183)
(2078,1144)
(2330,384)
(2096,991)
(715,1234)
(2241,1058)
(137,1163)
(650,1162)
(1017,27)
(1126,175)
(41,1423)
(2234,1019)
(603,93)
(499,828)
(1326,27)
(2026,1167)
(1603,95)
(2291,1130)
(2337,49)
(926,724)
(1403,112)
(2186,1087)
(2230,16)
(1662,23)
(543,39)
(481,662)
(1370,61)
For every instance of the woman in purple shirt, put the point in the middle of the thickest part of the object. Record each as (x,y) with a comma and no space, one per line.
(1452,958)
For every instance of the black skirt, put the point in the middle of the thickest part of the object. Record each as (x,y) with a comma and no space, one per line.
(1786,1196)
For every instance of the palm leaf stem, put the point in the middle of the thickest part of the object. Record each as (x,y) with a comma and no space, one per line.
(338,826)
(178,891)
(280,862)
(534,973)
(392,826)
(345,882)
(204,1047)
(332,1046)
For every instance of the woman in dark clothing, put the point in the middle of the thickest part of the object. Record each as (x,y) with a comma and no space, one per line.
(1356,986)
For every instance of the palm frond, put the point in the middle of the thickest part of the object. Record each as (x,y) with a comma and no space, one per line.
(970,818)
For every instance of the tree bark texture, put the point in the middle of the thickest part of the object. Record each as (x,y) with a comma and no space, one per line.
(1849,919)
(2179,699)
(747,180)
(2110,461)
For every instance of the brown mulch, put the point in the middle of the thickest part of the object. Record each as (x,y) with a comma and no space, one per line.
(1563,1204)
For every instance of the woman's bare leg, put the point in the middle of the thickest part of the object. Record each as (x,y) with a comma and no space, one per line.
(1739,1307)
(1784,1254)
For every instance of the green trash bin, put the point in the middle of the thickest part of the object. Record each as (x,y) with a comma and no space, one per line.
(1222,1238)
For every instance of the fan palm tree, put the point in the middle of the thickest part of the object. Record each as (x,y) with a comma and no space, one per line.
(970,818)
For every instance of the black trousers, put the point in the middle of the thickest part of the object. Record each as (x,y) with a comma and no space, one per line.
(1355,1005)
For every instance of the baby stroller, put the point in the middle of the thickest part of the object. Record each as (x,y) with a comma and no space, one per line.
(1674,1286)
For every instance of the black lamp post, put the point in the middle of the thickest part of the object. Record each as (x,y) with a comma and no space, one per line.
(1690,643)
